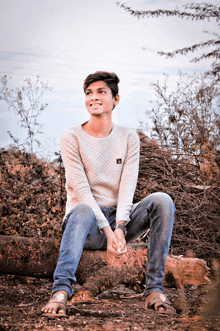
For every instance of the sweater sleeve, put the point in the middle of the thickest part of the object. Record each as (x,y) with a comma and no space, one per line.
(76,179)
(129,178)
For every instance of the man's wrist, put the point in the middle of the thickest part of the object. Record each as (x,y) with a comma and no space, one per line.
(107,231)
(122,227)
(121,222)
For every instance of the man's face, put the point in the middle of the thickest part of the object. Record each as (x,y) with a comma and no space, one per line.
(99,99)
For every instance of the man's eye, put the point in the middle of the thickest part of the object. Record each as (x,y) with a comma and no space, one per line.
(87,93)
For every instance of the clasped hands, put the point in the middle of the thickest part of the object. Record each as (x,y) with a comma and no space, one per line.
(116,244)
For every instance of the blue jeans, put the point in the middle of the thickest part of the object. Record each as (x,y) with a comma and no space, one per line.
(81,231)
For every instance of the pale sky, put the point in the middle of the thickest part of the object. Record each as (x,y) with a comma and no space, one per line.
(63,41)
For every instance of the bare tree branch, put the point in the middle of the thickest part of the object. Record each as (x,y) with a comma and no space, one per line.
(201,11)
(193,11)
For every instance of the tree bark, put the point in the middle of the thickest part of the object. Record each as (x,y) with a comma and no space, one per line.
(97,271)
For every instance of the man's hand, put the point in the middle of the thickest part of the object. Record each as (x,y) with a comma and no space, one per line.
(116,244)
(119,233)
(121,237)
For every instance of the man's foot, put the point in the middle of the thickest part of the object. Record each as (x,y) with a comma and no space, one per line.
(158,302)
(56,306)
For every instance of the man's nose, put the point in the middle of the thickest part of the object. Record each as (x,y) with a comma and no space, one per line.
(95,96)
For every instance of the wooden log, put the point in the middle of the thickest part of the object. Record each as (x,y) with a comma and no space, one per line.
(97,271)
(28,256)
(130,270)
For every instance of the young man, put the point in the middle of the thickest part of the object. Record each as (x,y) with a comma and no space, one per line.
(101,163)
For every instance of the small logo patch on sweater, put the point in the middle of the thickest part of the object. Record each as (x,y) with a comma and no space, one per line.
(119,161)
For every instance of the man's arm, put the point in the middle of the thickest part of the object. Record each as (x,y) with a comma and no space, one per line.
(127,188)
(76,180)
(129,178)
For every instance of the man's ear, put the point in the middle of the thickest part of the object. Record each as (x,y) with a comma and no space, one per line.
(117,99)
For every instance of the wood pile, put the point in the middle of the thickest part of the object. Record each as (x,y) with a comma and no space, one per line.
(32,198)
(196,197)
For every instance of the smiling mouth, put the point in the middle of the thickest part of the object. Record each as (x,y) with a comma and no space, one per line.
(95,104)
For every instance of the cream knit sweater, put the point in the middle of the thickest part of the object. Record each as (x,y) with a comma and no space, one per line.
(101,172)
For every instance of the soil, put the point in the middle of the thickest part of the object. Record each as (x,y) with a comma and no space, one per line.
(117,309)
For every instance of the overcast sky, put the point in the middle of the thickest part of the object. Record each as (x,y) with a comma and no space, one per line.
(63,41)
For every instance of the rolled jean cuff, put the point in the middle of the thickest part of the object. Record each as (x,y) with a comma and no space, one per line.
(151,290)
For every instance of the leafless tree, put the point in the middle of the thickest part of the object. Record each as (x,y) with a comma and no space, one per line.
(26,104)
(186,119)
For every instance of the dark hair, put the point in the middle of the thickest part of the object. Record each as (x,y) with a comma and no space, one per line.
(110,78)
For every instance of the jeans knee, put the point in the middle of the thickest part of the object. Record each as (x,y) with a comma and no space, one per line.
(82,213)
(84,210)
(163,200)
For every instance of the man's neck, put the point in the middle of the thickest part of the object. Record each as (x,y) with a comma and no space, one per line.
(98,128)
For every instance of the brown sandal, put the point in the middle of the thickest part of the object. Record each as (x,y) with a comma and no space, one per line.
(56,314)
(160,300)
(61,300)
